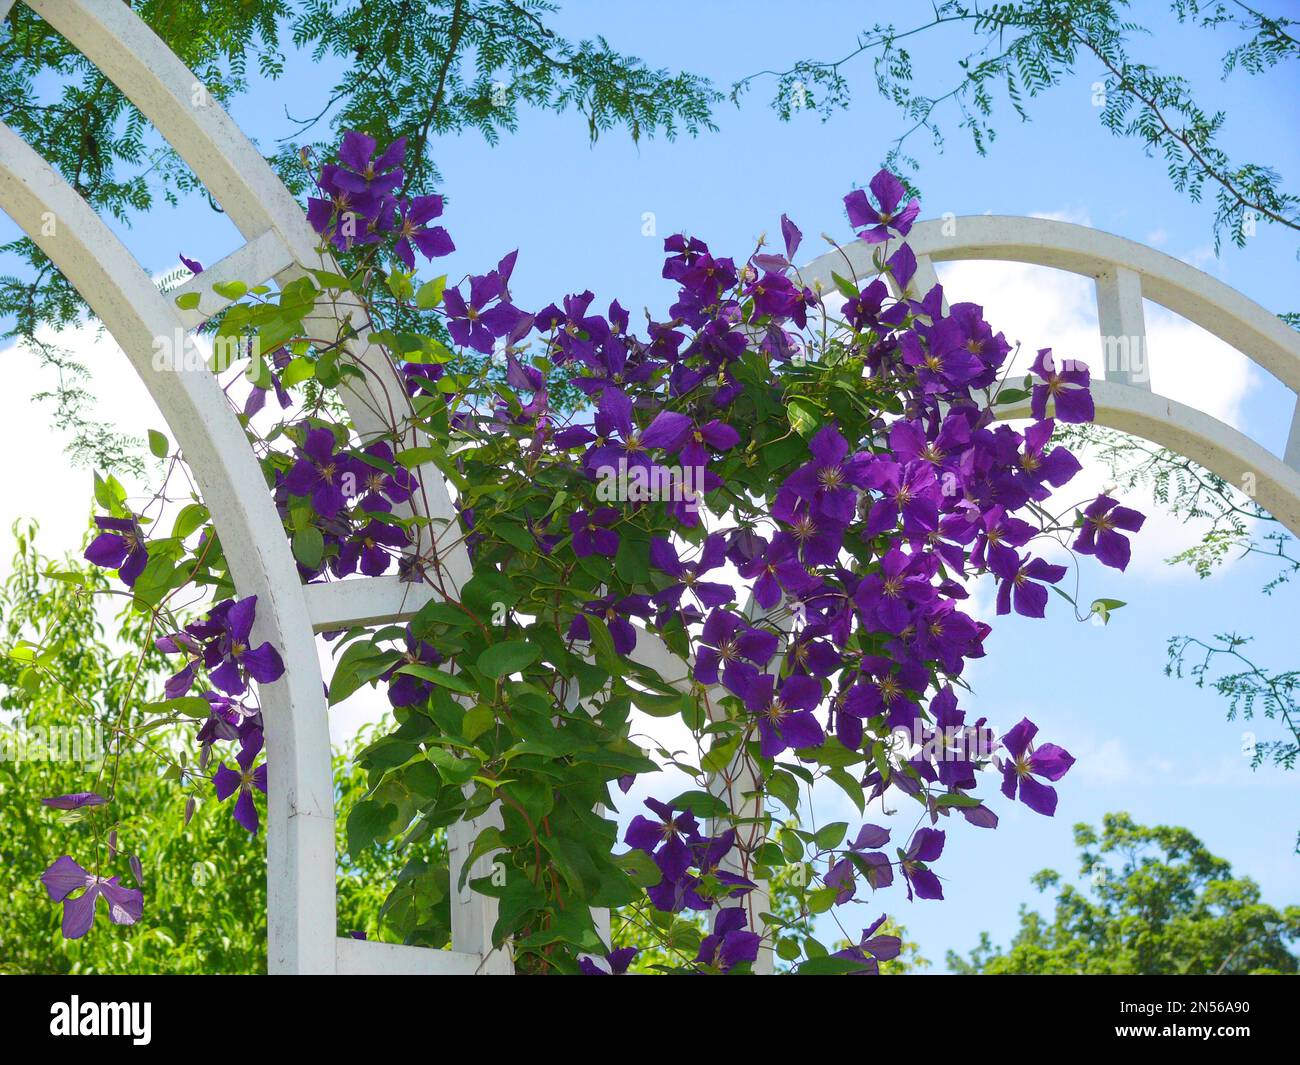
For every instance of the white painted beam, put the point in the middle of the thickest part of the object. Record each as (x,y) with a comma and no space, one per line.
(365,957)
(1123,327)
(1236,458)
(256,262)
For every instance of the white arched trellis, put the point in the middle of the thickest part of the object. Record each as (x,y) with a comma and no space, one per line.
(300,834)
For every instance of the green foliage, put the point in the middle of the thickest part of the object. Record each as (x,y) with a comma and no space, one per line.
(1158,903)
(394,893)
(204,884)
(205,881)
(419,70)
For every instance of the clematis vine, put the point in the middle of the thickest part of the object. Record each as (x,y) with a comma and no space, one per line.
(808,490)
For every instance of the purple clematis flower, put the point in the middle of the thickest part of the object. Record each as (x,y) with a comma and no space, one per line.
(119,546)
(872,949)
(778,569)
(1038,465)
(709,852)
(403,688)
(663,556)
(774,295)
(815,657)
(228,719)
(677,432)
(926,847)
(343,214)
(891,598)
(192,265)
(785,718)
(409,220)
(591,534)
(668,840)
(727,642)
(471,322)
(75,801)
(1030,598)
(1100,534)
(820,538)
(618,443)
(616,960)
(322,474)
(384,482)
(1066,384)
(907,489)
(889,193)
(125,905)
(944,365)
(363,171)
(882,686)
(227,782)
(729,944)
(828,482)
(370,548)
(230,658)
(996,538)
(576,334)
(1026,762)
(615,612)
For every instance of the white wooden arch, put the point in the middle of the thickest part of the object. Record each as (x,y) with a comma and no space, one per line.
(1126,273)
(300,824)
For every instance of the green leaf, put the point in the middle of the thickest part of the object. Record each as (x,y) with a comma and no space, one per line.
(640,867)
(659,705)
(230,290)
(787,948)
(309,546)
(502,659)
(412,457)
(299,370)
(489,840)
(602,643)
(847,288)
(830,836)
(829,966)
(455,771)
(188,301)
(1103,607)
(190,706)
(429,295)
(455,681)
(477,721)
(190,518)
(701,804)
(370,822)
(158,444)
(784,787)
(805,419)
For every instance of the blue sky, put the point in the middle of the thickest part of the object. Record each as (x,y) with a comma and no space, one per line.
(1156,747)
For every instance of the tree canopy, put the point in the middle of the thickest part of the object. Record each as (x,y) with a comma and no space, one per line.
(1158,902)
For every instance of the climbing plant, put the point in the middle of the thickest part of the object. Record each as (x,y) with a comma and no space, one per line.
(788,490)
